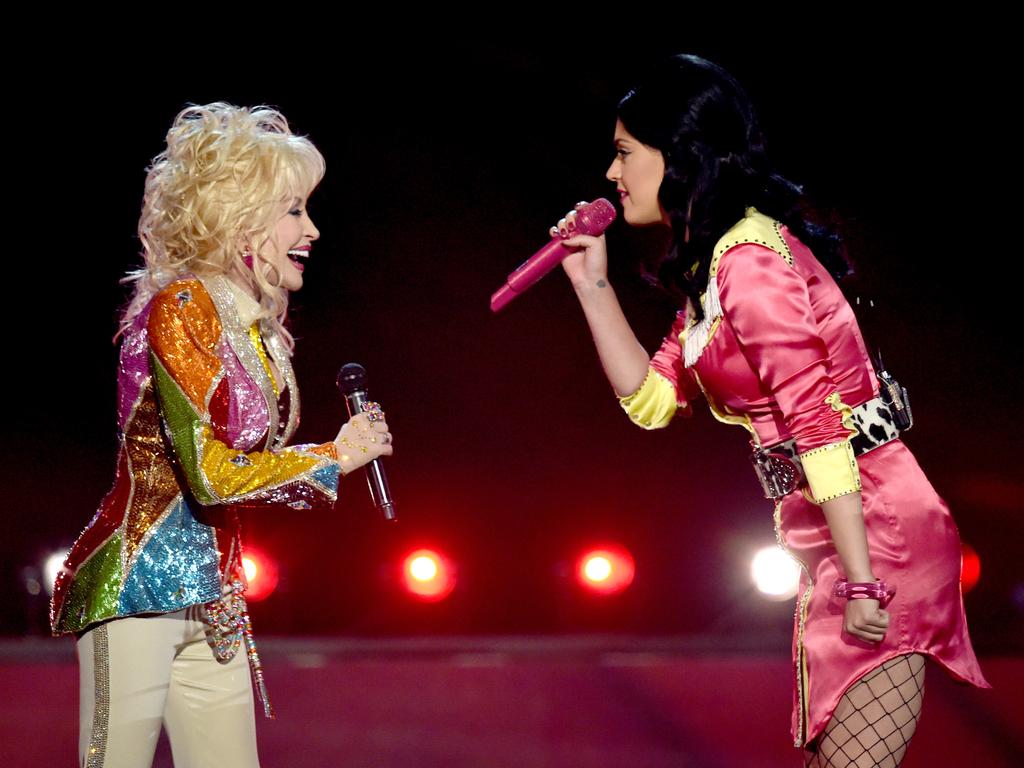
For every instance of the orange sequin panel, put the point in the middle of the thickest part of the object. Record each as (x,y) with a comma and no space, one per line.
(330,450)
(183,331)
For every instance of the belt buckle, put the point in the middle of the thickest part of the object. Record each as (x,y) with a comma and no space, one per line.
(778,475)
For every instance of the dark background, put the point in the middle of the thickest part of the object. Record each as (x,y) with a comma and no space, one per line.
(446,165)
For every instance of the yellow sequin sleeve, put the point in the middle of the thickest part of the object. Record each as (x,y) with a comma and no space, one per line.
(184,331)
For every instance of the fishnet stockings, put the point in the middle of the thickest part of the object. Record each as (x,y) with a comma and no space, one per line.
(875,719)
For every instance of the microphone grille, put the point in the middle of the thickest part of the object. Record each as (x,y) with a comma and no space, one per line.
(352,378)
(594,218)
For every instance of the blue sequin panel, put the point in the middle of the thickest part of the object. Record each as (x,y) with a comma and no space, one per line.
(327,477)
(178,567)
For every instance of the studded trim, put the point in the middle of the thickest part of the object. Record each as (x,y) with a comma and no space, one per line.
(97,751)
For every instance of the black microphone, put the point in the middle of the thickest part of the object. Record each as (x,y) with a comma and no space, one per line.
(352,383)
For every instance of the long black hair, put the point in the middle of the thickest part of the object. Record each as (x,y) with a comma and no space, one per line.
(703,123)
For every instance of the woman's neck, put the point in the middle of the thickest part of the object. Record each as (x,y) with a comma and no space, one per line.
(245,283)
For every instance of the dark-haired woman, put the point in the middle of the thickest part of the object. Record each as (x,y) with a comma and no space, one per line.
(766,336)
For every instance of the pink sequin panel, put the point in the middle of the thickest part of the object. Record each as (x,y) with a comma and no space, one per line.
(248,417)
(133,368)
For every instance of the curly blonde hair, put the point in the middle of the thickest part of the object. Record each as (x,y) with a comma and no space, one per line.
(228,173)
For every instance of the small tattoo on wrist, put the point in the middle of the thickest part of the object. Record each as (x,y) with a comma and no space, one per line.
(602,284)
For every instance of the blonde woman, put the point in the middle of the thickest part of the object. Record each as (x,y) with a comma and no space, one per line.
(154,588)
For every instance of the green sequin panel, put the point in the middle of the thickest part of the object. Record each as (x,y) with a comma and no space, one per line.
(182,420)
(95,593)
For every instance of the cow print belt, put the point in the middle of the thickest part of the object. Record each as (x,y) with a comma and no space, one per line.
(779,468)
(875,428)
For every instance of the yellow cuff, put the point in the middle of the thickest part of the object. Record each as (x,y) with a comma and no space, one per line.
(653,404)
(831,471)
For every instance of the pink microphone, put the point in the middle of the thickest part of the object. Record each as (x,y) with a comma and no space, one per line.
(591,219)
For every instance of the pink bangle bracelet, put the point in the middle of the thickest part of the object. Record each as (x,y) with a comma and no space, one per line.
(871,590)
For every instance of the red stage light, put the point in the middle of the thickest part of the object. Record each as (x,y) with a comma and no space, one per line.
(970,568)
(261,574)
(606,570)
(428,575)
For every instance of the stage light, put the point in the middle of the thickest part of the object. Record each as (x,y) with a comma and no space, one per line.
(261,573)
(970,568)
(775,573)
(428,575)
(606,570)
(53,565)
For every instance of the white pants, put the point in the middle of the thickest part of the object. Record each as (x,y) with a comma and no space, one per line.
(140,673)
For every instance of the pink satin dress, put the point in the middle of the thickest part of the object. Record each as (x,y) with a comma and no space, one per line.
(787,340)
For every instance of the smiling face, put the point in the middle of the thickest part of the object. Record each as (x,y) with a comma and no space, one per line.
(637,171)
(290,241)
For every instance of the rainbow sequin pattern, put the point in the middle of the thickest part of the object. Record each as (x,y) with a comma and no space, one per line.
(196,401)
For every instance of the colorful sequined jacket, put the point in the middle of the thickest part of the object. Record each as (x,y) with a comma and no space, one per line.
(203,428)
(778,351)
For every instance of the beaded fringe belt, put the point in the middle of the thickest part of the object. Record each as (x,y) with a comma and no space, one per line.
(227,620)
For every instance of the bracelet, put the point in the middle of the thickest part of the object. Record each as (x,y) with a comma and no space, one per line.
(861,590)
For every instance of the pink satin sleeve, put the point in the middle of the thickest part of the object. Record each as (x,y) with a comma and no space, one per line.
(668,361)
(767,304)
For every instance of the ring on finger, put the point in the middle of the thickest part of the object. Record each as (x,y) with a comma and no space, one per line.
(373,411)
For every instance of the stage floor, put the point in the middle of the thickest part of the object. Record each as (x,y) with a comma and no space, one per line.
(522,702)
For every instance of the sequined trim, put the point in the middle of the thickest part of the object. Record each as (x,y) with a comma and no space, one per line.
(284,365)
(97,751)
(238,338)
(800,662)
(261,352)
(214,384)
